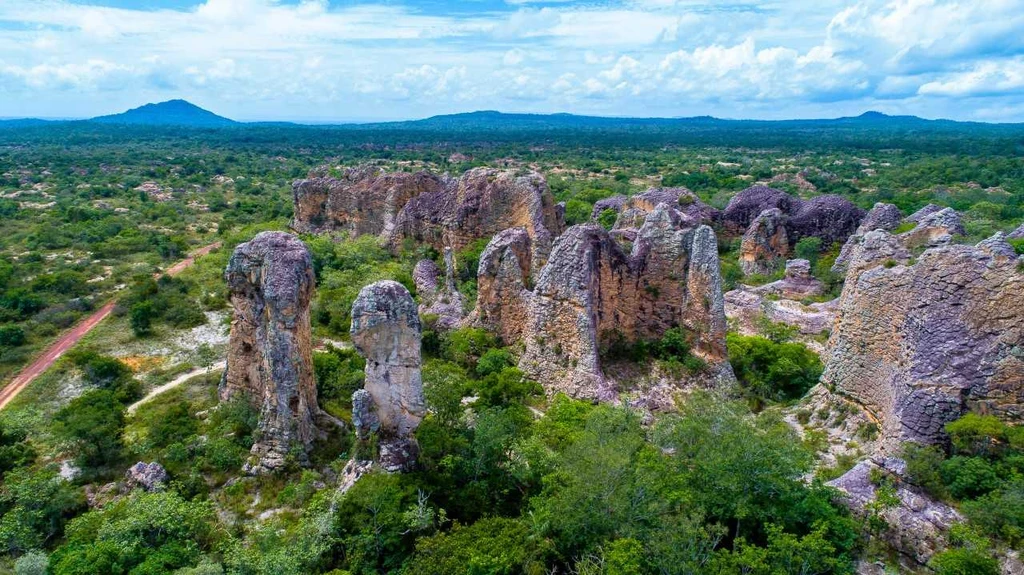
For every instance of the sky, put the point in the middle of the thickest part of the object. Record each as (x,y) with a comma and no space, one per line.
(363,60)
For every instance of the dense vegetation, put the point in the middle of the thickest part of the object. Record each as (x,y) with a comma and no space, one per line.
(511,481)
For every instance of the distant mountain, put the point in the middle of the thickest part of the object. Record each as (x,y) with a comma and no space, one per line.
(170,113)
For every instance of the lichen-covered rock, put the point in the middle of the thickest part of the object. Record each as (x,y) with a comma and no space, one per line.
(386,332)
(751,202)
(437,210)
(924,212)
(439,296)
(882,216)
(270,362)
(765,244)
(502,295)
(916,527)
(149,476)
(591,295)
(919,343)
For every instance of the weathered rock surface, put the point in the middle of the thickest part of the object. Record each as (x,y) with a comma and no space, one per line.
(934,229)
(634,210)
(924,212)
(775,301)
(783,220)
(270,362)
(386,332)
(438,294)
(917,526)
(1017,233)
(613,203)
(882,216)
(919,343)
(149,476)
(502,302)
(748,204)
(592,295)
(797,283)
(765,243)
(437,210)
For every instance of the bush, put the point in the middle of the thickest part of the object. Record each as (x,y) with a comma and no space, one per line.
(11,336)
(969,477)
(809,249)
(1000,513)
(607,218)
(493,361)
(495,546)
(924,468)
(964,562)
(339,373)
(975,434)
(774,371)
(577,212)
(464,346)
(92,423)
(141,318)
(507,387)
(32,563)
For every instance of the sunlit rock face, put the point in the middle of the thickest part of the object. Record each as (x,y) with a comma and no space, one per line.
(919,342)
(270,363)
(386,331)
(441,211)
(592,295)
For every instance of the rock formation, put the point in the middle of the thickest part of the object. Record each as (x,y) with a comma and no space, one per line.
(444,301)
(386,331)
(634,210)
(917,343)
(772,222)
(765,243)
(924,212)
(881,217)
(591,295)
(148,476)
(934,229)
(778,302)
(437,210)
(916,527)
(270,362)
(1017,233)
(613,203)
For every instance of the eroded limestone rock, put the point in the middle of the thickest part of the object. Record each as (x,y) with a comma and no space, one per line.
(591,295)
(917,343)
(437,210)
(386,332)
(270,363)
(765,244)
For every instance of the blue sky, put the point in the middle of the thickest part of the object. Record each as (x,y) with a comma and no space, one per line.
(395,59)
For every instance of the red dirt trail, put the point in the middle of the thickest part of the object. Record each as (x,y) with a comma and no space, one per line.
(72,336)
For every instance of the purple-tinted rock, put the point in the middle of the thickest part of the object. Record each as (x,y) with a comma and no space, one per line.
(613,203)
(831,218)
(149,476)
(748,204)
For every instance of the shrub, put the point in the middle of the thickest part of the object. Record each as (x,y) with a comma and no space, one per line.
(509,386)
(495,546)
(493,361)
(969,477)
(964,562)
(11,336)
(809,249)
(464,346)
(92,422)
(924,468)
(607,218)
(577,212)
(775,371)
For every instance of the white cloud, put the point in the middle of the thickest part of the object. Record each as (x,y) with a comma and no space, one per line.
(985,79)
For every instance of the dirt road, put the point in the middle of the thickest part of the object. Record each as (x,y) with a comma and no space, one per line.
(219,366)
(76,333)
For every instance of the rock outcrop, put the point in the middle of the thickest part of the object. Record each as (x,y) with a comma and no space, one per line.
(1017,233)
(437,210)
(917,343)
(634,210)
(882,216)
(916,526)
(613,203)
(937,228)
(270,362)
(765,243)
(772,222)
(778,301)
(438,294)
(386,332)
(148,476)
(592,295)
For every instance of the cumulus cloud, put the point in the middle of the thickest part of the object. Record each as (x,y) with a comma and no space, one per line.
(624,57)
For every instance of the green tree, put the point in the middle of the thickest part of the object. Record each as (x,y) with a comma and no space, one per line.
(92,423)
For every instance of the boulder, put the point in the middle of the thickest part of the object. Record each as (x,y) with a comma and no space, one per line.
(831,218)
(270,362)
(635,209)
(918,343)
(924,212)
(937,228)
(149,476)
(386,332)
(797,283)
(765,244)
(436,210)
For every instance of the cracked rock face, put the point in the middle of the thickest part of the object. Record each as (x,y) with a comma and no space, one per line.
(882,216)
(437,292)
(592,295)
(270,363)
(936,228)
(437,210)
(918,343)
(634,210)
(765,243)
(386,332)
(1017,233)
(772,222)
